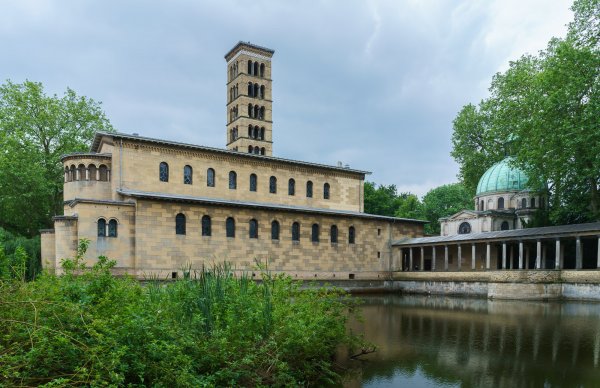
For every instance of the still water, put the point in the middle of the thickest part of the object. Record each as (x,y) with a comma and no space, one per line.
(453,342)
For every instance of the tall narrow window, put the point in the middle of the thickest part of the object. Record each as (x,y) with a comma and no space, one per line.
(334,234)
(295,231)
(112,228)
(250,89)
(255,94)
(262,69)
(73,172)
(210,177)
(250,67)
(272,185)
(163,172)
(533,202)
(92,170)
(232,180)
(180,224)
(262,92)
(309,189)
(230,227)
(206,226)
(101,227)
(67,175)
(261,113)
(291,187)
(250,111)
(262,133)
(501,203)
(81,172)
(275,230)
(351,235)
(253,228)
(255,68)
(103,172)
(523,203)
(315,233)
(250,149)
(253,182)
(326,191)
(187,175)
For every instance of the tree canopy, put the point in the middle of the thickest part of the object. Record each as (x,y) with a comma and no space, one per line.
(548,106)
(35,131)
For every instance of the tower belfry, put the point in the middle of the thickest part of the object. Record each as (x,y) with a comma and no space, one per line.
(249,99)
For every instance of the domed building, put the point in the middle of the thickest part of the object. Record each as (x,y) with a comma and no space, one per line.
(503,201)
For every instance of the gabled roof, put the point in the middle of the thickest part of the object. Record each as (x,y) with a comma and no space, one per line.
(117,135)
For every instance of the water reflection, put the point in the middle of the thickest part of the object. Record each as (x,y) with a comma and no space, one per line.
(439,341)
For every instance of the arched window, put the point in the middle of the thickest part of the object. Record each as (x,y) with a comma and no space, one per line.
(253,228)
(262,69)
(291,187)
(232,180)
(103,172)
(524,203)
(206,226)
(334,234)
(255,133)
(262,133)
(501,203)
(250,111)
(180,224)
(250,67)
(261,114)
(481,206)
(187,175)
(272,185)
(533,202)
(163,172)
(73,173)
(67,175)
(314,236)
(255,90)
(274,230)
(101,227)
(81,172)
(250,89)
(249,130)
(464,228)
(250,149)
(92,171)
(351,235)
(326,191)
(253,182)
(210,177)
(262,151)
(256,111)
(256,68)
(257,150)
(295,231)
(230,227)
(504,226)
(112,228)
(262,92)
(309,189)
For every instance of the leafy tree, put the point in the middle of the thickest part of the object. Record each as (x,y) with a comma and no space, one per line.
(35,130)
(548,106)
(444,201)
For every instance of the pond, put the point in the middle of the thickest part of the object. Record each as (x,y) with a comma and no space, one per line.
(436,341)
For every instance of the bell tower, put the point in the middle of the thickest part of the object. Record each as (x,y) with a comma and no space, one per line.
(249,99)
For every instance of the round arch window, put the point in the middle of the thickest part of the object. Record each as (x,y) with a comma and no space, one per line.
(504,226)
(464,228)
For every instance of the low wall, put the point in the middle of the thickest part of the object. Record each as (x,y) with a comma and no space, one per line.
(526,285)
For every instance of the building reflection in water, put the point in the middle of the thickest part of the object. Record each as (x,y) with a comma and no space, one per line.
(439,341)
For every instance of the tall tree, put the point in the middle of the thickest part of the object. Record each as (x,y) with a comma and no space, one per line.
(35,130)
(444,201)
(549,106)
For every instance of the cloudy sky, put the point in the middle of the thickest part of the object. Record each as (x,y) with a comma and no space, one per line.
(374,84)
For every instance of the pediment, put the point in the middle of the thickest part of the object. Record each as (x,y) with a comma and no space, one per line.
(463,215)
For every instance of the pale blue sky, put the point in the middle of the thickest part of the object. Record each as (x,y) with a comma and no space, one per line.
(374,84)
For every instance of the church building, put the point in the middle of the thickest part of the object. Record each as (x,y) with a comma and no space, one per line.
(157,206)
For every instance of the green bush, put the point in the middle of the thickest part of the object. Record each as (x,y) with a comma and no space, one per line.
(210,328)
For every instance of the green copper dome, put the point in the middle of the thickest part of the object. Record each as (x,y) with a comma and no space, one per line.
(502,177)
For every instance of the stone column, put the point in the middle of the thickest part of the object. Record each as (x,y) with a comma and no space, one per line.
(488,256)
(503,255)
(538,254)
(511,257)
(562,257)
(97,174)
(520,254)
(578,258)
(445,257)
(544,251)
(422,259)
(557,258)
(410,259)
(473,257)
(433,258)
(87,174)
(459,257)
(527,256)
